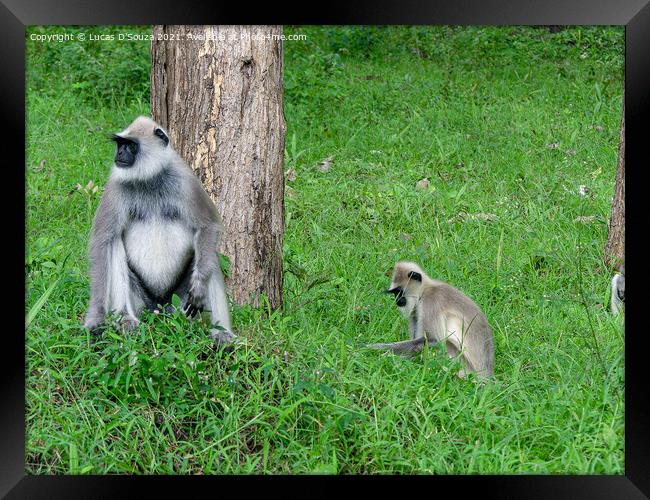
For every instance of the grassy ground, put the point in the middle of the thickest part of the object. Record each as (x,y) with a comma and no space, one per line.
(508,125)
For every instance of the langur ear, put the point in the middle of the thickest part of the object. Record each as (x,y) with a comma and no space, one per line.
(415,276)
(159,133)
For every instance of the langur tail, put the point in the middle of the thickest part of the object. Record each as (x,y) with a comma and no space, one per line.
(410,346)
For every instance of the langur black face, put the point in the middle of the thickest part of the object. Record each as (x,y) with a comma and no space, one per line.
(127,151)
(398,292)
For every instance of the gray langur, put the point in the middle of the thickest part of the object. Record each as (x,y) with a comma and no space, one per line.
(438,312)
(154,234)
(617,303)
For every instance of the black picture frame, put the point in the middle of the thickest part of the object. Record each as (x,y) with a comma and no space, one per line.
(15,15)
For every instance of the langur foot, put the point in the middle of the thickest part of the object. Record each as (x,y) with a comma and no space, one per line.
(95,326)
(96,333)
(128,324)
(224,338)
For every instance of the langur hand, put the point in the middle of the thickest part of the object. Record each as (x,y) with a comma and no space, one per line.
(193,305)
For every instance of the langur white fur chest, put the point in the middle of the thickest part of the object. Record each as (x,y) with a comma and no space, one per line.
(158,250)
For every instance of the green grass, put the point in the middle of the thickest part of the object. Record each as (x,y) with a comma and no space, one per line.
(506,123)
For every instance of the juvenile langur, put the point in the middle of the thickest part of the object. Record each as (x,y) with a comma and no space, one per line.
(617,303)
(155,233)
(438,312)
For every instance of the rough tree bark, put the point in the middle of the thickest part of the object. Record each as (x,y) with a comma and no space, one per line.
(615,247)
(218,91)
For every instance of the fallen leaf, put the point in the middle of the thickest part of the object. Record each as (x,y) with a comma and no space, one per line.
(459,217)
(420,53)
(583,190)
(585,218)
(77,187)
(291,174)
(422,184)
(570,151)
(326,164)
(464,216)
(482,216)
(553,145)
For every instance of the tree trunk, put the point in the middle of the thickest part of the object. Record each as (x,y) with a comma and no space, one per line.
(615,247)
(218,91)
